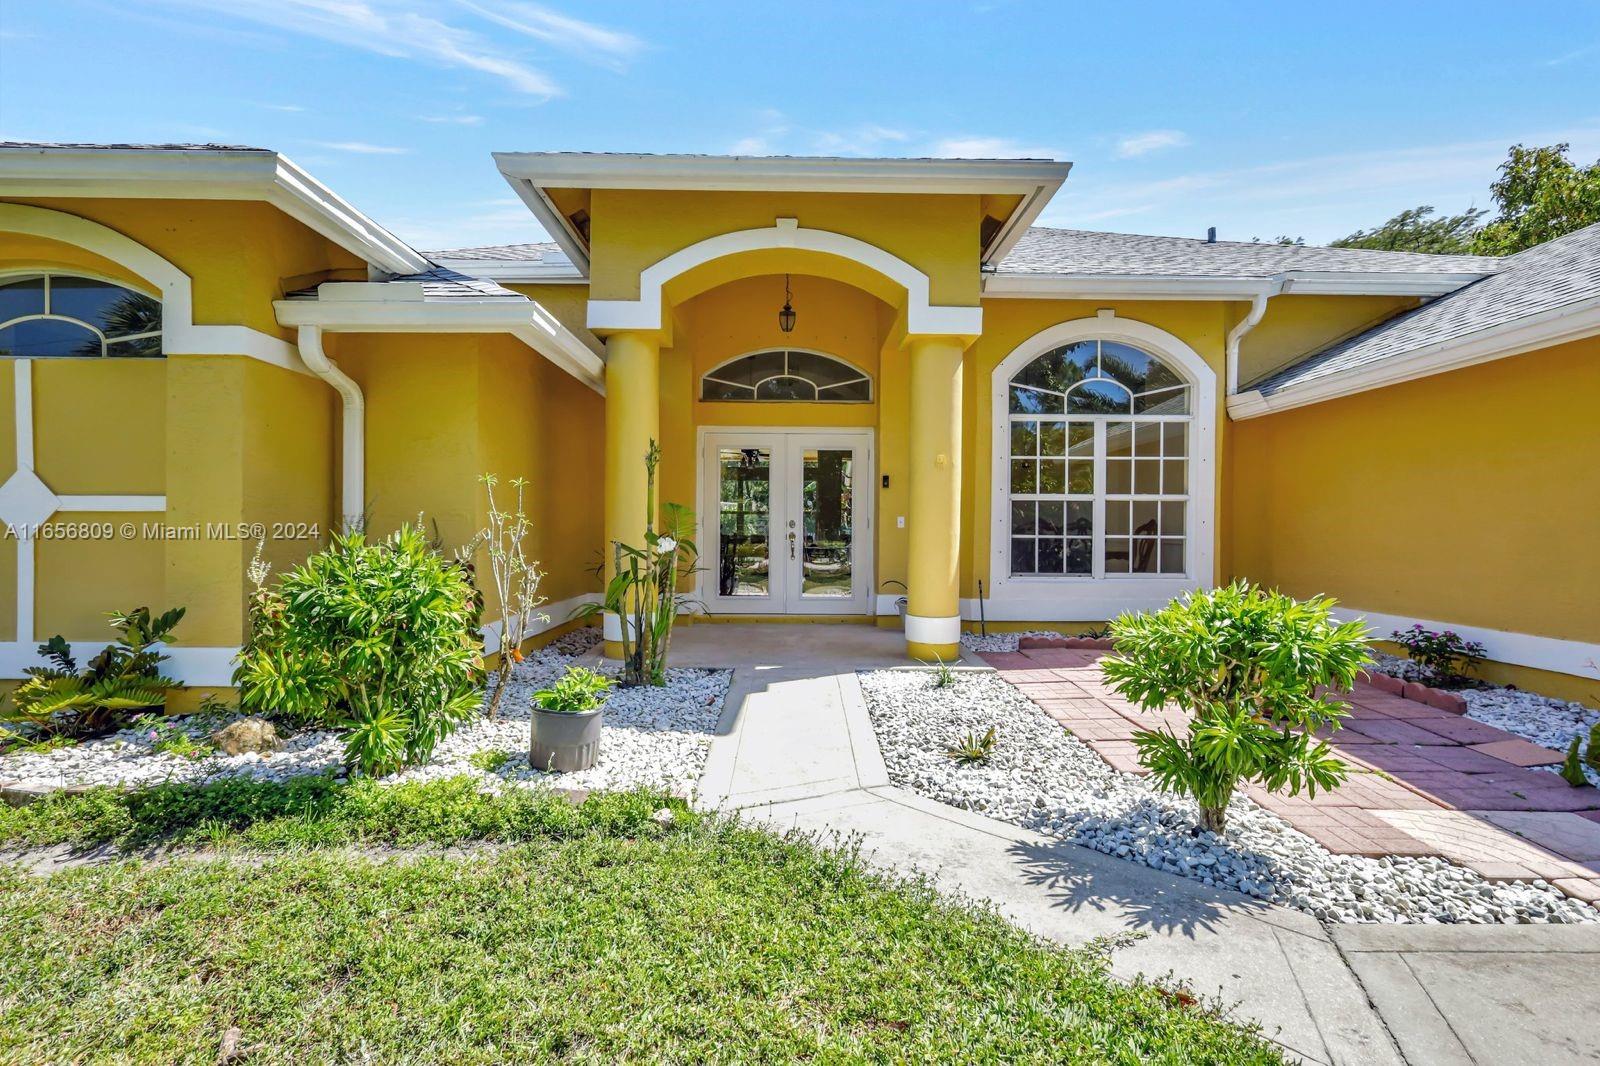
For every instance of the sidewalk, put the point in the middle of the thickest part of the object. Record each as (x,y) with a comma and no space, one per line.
(797,750)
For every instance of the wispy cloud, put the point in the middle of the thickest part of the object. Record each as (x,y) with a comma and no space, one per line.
(1137,144)
(401,29)
(774,125)
(975,147)
(362,147)
(290,108)
(586,39)
(867,139)
(1568,57)
(453,120)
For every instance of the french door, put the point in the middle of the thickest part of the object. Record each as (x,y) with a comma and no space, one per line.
(786,521)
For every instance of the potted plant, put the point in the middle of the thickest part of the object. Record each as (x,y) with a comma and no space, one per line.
(566,721)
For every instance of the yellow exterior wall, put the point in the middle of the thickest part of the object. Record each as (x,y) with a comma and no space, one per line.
(1296,325)
(1471,498)
(444,408)
(569,303)
(240,255)
(937,234)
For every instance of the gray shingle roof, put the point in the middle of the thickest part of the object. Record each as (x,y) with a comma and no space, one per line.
(79,146)
(1543,278)
(506,253)
(1070,251)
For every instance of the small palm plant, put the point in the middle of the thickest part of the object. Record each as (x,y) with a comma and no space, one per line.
(972,748)
(643,591)
(1249,666)
(125,678)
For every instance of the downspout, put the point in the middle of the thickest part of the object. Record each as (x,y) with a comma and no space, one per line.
(353,463)
(1258,307)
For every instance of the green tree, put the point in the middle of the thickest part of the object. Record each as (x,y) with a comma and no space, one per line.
(1541,195)
(1413,230)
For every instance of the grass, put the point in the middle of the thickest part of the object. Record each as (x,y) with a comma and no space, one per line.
(596,935)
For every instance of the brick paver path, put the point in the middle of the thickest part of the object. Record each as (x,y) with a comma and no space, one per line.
(1424,781)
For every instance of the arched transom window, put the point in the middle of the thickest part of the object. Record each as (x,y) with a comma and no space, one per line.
(46,316)
(1099,457)
(787,374)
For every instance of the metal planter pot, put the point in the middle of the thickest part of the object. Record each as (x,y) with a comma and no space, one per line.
(565,742)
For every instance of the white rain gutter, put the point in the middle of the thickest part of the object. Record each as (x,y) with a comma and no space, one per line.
(1258,307)
(353,463)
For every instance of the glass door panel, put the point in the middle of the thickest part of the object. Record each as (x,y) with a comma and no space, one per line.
(744,505)
(827,508)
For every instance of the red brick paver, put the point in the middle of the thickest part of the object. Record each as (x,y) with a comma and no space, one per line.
(1424,781)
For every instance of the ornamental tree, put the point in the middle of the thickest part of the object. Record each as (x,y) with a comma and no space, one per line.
(1249,666)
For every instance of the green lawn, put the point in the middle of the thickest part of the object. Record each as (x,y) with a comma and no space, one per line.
(596,935)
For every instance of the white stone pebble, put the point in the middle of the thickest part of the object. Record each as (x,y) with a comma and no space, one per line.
(1043,778)
(652,737)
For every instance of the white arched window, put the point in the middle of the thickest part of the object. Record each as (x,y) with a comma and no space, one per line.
(44,316)
(1102,469)
(787,374)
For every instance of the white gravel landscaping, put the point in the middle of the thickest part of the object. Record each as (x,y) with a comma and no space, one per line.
(1042,778)
(653,737)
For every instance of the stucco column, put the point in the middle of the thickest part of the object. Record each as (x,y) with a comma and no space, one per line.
(633,412)
(933,616)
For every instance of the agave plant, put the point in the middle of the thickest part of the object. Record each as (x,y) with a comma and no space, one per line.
(125,678)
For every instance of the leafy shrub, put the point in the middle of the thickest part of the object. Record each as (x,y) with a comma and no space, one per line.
(1248,665)
(377,639)
(125,678)
(169,738)
(1446,655)
(576,691)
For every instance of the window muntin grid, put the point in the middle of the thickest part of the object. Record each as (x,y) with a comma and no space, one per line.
(786,375)
(45,316)
(1098,465)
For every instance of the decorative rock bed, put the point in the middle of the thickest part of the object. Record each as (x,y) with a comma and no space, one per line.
(653,737)
(1042,778)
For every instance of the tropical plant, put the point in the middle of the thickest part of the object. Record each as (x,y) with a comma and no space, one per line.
(642,592)
(1591,750)
(58,700)
(516,579)
(575,692)
(943,676)
(377,639)
(169,738)
(1249,666)
(1445,655)
(1572,766)
(972,748)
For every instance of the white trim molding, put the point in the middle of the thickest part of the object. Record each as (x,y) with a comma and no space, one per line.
(205,174)
(925,629)
(1545,330)
(180,335)
(646,312)
(1575,657)
(1063,598)
(542,619)
(198,667)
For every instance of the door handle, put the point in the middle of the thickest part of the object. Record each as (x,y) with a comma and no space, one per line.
(791,545)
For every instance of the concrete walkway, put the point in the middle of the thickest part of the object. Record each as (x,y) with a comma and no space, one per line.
(796,750)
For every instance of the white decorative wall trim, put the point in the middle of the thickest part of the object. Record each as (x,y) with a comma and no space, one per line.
(1575,657)
(180,334)
(26,502)
(546,618)
(195,666)
(921,317)
(1091,599)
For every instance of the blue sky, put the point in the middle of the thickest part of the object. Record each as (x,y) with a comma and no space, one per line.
(1260,118)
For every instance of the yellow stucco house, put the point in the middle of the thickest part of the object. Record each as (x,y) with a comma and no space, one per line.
(871,378)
